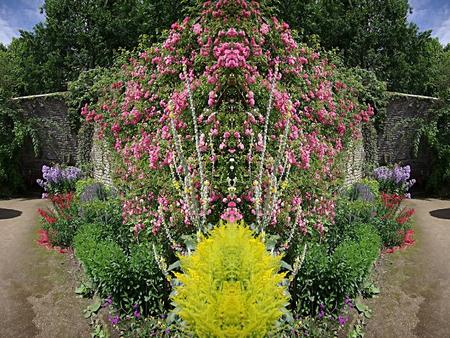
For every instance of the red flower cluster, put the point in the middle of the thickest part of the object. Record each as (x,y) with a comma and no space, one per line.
(391,201)
(62,202)
(393,210)
(61,205)
(47,215)
(404,215)
(408,240)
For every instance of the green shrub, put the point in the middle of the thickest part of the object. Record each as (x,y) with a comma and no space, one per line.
(349,213)
(128,279)
(328,278)
(90,190)
(391,232)
(103,260)
(373,185)
(352,261)
(62,231)
(81,185)
(147,285)
(311,287)
(108,214)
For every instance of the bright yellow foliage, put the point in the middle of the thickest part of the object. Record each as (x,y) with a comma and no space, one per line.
(230,286)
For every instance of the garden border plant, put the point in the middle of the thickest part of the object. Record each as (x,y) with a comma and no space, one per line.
(228,119)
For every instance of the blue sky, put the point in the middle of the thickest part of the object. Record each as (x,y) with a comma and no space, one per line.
(24,14)
(18,15)
(432,14)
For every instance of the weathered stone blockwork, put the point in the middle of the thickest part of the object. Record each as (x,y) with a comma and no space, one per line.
(57,143)
(399,131)
(101,161)
(396,138)
(354,163)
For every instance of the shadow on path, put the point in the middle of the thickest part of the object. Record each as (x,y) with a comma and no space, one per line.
(9,213)
(441,213)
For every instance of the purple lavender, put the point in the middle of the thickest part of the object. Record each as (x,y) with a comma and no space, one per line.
(321,311)
(394,180)
(107,302)
(136,312)
(59,180)
(342,320)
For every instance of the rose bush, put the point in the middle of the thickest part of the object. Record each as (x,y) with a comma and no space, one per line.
(229,118)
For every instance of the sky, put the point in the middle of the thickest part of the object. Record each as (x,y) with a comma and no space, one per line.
(434,15)
(18,15)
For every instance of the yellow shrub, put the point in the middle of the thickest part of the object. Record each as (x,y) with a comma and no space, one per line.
(230,286)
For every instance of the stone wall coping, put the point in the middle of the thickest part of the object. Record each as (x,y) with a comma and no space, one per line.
(39,95)
(413,95)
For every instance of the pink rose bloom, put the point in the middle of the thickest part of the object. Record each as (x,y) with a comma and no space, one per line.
(197,29)
(264,29)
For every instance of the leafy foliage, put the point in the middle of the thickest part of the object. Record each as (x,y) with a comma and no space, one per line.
(326,279)
(15,131)
(82,35)
(434,129)
(373,35)
(128,278)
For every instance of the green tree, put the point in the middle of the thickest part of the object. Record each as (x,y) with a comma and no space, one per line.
(370,34)
(84,34)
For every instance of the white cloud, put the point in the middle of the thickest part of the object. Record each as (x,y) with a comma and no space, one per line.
(442,32)
(432,15)
(6,32)
(12,21)
(31,8)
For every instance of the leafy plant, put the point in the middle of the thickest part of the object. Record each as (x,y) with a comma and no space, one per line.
(128,278)
(326,279)
(15,131)
(434,131)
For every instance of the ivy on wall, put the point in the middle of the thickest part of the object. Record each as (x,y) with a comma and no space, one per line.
(14,132)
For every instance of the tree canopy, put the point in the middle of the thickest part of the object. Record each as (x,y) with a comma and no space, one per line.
(81,35)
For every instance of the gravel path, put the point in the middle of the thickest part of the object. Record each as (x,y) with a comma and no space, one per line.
(36,286)
(415,283)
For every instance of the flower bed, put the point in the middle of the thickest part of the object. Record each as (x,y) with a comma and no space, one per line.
(228,120)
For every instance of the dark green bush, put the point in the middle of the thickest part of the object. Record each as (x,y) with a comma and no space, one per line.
(327,279)
(128,279)
(62,232)
(108,214)
(104,261)
(349,213)
(391,232)
(352,261)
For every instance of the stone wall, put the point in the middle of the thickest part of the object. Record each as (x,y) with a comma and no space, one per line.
(395,138)
(57,143)
(399,131)
(354,163)
(101,161)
